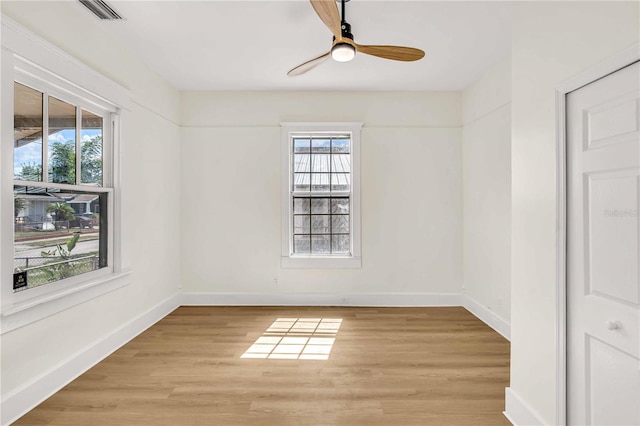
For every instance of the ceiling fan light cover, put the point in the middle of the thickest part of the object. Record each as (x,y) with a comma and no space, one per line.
(343,52)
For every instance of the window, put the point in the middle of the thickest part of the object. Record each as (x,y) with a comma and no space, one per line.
(321,197)
(62,244)
(60,230)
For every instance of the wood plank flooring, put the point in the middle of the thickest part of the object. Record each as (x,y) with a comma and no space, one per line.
(388,366)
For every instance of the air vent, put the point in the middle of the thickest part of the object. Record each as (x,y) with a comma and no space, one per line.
(101,9)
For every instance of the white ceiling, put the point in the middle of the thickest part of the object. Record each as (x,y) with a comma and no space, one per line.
(250,45)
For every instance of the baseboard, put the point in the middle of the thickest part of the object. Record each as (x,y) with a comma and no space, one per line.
(321,299)
(487,316)
(518,412)
(28,396)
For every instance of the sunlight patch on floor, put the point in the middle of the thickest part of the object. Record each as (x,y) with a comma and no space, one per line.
(296,338)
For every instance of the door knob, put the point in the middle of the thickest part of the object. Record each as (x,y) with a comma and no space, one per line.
(613,325)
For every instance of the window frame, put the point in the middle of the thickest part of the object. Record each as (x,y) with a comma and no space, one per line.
(31,61)
(288,259)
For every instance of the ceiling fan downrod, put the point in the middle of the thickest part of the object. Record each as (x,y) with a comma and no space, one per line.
(345,27)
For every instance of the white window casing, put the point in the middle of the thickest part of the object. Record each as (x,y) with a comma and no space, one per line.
(289,259)
(31,61)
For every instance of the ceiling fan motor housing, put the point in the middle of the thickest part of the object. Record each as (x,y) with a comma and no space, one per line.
(343,51)
(345,27)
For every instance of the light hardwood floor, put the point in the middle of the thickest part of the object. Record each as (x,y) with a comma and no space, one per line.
(388,366)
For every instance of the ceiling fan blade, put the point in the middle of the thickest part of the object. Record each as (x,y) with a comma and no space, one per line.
(397,53)
(302,68)
(327,10)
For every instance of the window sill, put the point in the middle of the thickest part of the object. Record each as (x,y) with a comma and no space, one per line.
(307,262)
(32,310)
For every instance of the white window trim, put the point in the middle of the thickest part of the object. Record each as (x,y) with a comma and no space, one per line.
(288,259)
(30,60)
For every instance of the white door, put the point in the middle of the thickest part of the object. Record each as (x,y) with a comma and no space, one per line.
(603,291)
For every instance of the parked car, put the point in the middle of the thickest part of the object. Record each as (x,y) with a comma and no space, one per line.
(84,221)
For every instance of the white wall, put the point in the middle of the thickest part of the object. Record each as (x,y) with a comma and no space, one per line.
(486,164)
(151,200)
(552,41)
(411,192)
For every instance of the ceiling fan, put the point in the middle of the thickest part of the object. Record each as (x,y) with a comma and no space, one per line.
(344,48)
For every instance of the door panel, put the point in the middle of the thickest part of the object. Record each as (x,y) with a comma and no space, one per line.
(613,121)
(603,237)
(612,201)
(608,364)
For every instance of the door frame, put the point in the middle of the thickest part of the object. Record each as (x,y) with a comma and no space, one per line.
(598,71)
